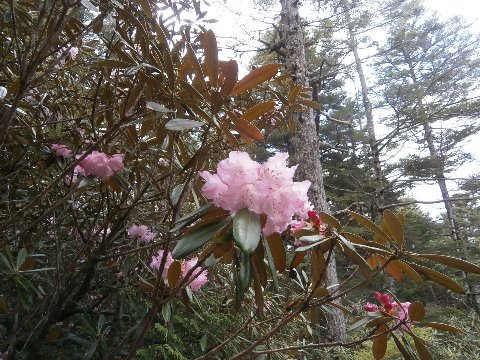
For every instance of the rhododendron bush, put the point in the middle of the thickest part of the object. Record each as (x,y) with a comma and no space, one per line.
(134,219)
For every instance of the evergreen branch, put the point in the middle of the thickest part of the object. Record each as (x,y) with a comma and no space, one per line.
(429,202)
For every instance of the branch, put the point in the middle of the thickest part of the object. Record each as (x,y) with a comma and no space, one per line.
(329,344)
(277,47)
(323,144)
(233,336)
(429,202)
(330,118)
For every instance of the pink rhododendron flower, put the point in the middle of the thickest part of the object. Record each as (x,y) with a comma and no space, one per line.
(198,281)
(402,313)
(61,150)
(400,310)
(157,260)
(369,307)
(297,225)
(266,189)
(100,165)
(116,162)
(384,299)
(142,233)
(65,54)
(198,276)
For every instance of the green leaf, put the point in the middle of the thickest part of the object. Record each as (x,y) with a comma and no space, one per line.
(157,107)
(203,342)
(244,276)
(176,192)
(196,239)
(309,246)
(89,5)
(191,217)
(182,124)
(311,238)
(22,255)
(246,230)
(246,270)
(271,265)
(167,311)
(359,323)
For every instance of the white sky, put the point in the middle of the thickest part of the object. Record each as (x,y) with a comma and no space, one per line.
(237,20)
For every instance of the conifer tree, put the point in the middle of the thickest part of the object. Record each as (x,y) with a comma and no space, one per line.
(429,73)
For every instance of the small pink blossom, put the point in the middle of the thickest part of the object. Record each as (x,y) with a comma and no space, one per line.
(399,310)
(384,299)
(65,54)
(157,260)
(369,307)
(402,313)
(61,150)
(163,162)
(199,275)
(142,233)
(116,162)
(100,165)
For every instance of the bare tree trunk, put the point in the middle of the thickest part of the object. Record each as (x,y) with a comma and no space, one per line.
(306,142)
(442,184)
(367,105)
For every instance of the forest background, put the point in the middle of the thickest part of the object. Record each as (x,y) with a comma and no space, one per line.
(110,109)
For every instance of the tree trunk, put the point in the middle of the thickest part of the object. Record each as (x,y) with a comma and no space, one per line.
(367,105)
(306,142)
(442,184)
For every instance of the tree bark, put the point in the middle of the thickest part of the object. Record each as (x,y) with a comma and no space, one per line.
(367,105)
(442,184)
(306,142)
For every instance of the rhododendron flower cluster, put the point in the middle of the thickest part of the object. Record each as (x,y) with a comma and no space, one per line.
(265,188)
(400,310)
(61,150)
(198,276)
(142,233)
(100,165)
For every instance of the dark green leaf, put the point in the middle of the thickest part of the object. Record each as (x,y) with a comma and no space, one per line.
(196,239)
(182,124)
(157,107)
(246,230)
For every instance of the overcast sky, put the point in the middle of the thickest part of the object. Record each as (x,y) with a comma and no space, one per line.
(237,20)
